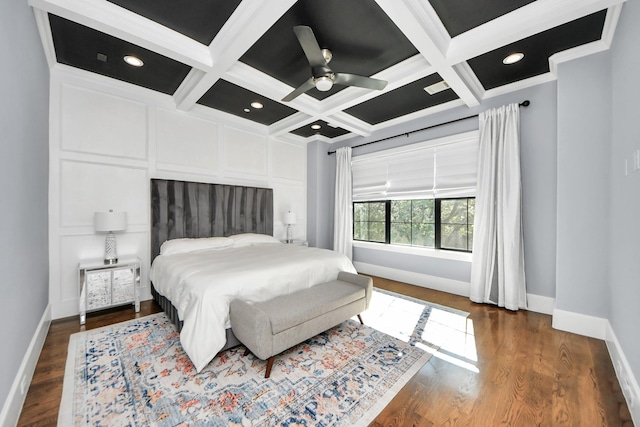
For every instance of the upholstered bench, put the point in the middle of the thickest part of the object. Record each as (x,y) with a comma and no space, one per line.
(270,327)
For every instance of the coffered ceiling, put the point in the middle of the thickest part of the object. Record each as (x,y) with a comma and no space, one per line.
(228,54)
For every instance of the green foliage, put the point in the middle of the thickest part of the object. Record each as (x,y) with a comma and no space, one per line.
(413,222)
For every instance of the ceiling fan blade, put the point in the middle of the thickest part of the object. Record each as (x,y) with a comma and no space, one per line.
(309,44)
(360,81)
(300,90)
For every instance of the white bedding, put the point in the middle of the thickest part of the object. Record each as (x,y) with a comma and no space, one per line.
(201,285)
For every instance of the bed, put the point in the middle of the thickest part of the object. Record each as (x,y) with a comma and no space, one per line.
(235,255)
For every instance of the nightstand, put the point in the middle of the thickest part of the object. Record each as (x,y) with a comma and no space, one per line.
(103,286)
(297,242)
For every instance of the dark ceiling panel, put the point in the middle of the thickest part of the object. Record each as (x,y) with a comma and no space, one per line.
(404,100)
(199,19)
(537,49)
(78,46)
(233,99)
(459,16)
(325,130)
(360,35)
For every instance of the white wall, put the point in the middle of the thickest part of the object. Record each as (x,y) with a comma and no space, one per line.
(108,139)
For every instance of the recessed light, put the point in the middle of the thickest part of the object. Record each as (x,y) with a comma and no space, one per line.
(246,110)
(133,61)
(315,127)
(257,105)
(513,58)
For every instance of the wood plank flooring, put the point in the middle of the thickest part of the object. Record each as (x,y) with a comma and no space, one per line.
(526,373)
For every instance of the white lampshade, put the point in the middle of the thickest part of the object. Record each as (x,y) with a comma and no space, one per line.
(110,221)
(290,218)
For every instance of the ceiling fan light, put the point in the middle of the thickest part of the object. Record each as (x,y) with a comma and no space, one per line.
(323,83)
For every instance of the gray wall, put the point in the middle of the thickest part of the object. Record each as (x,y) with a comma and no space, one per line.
(24,129)
(538,154)
(624,195)
(584,132)
(321,177)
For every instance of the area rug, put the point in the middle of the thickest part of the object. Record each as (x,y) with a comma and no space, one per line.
(135,373)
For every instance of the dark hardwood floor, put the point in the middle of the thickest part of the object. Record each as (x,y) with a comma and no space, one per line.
(526,374)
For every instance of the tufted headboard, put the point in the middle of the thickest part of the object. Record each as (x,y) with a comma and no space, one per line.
(194,209)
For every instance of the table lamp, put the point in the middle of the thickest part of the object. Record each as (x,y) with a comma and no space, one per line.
(110,222)
(290,219)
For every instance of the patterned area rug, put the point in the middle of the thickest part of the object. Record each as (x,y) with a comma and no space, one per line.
(135,373)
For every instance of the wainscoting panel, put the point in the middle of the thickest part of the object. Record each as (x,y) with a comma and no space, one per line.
(87,188)
(243,151)
(98,123)
(289,196)
(179,135)
(288,161)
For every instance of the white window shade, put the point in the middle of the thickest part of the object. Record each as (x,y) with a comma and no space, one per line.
(446,167)
(369,179)
(456,169)
(411,175)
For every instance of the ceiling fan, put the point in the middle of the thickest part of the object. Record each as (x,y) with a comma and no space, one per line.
(323,78)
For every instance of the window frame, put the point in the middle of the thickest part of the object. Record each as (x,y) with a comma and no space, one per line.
(387,222)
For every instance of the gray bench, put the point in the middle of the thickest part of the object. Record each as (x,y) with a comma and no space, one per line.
(270,327)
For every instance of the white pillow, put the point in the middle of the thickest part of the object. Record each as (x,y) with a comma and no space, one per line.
(176,246)
(248,239)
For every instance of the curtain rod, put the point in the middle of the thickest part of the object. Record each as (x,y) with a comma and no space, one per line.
(525,103)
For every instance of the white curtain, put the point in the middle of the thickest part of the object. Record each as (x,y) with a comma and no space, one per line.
(497,273)
(343,212)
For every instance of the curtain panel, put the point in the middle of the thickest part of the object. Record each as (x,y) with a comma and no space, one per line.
(497,272)
(343,211)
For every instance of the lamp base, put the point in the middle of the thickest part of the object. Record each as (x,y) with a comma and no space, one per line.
(289,234)
(110,250)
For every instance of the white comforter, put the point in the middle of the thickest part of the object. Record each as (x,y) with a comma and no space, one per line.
(201,285)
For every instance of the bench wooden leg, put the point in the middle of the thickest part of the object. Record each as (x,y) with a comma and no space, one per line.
(360,319)
(246,352)
(269,366)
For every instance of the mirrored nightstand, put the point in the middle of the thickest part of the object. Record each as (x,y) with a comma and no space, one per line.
(103,286)
(297,242)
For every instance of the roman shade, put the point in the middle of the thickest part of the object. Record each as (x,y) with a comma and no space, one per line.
(441,168)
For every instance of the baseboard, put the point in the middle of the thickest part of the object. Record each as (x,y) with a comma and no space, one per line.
(13,405)
(627,380)
(536,303)
(540,304)
(581,324)
(451,286)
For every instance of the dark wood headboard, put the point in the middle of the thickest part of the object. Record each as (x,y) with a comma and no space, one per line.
(194,209)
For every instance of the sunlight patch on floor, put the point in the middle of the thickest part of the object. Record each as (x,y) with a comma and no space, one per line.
(393,316)
(447,335)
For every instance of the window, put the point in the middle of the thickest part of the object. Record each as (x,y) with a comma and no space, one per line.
(432,223)
(369,221)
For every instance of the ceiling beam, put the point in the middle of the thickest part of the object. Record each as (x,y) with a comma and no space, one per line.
(293,122)
(419,23)
(114,20)
(533,18)
(250,20)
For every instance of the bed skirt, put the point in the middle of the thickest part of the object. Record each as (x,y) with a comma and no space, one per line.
(172,313)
